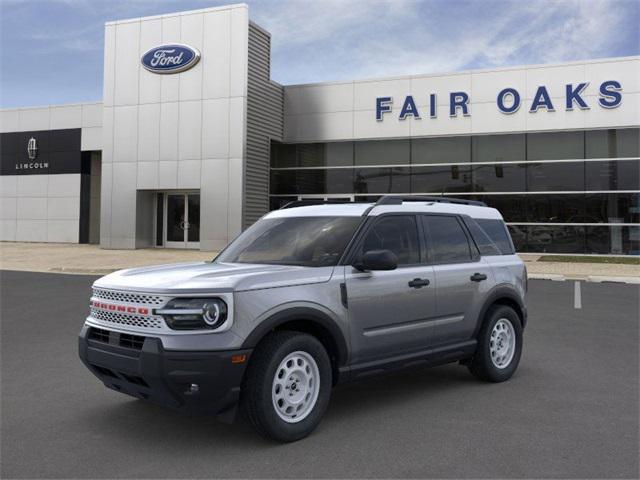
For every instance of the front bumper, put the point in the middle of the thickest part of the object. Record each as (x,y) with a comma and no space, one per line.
(141,367)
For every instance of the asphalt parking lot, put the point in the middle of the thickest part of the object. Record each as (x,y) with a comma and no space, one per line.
(571,411)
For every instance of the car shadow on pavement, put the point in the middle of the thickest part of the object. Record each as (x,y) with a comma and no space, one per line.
(142,423)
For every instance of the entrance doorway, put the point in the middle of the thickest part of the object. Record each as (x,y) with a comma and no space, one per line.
(181,220)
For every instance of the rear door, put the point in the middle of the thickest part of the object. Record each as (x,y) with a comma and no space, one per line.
(462,278)
(387,315)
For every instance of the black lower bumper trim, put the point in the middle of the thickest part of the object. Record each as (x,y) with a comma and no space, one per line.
(208,382)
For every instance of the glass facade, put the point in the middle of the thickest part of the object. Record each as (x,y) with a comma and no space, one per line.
(560,192)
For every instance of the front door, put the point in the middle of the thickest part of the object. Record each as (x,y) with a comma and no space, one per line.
(182,220)
(389,313)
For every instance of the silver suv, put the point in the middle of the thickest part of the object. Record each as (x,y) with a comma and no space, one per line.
(310,296)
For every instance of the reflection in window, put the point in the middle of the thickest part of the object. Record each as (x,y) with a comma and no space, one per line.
(548,177)
(441,150)
(613,240)
(613,143)
(397,233)
(499,178)
(555,145)
(382,152)
(499,148)
(447,178)
(612,208)
(512,207)
(447,239)
(555,208)
(382,180)
(614,175)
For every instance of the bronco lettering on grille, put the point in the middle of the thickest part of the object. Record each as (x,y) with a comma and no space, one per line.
(119,308)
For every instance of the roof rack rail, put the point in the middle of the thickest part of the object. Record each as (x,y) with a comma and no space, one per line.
(313,201)
(398,199)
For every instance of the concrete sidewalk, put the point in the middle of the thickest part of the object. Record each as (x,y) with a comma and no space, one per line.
(90,259)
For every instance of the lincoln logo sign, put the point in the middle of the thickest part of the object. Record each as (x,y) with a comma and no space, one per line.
(508,101)
(172,58)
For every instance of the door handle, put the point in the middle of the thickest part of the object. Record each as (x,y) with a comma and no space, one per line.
(419,283)
(478,277)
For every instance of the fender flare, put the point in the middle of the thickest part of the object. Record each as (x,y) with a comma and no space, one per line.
(305,314)
(499,292)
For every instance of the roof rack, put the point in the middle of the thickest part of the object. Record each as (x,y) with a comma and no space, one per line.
(398,199)
(313,201)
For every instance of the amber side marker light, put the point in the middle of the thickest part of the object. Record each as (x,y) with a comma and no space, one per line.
(238,358)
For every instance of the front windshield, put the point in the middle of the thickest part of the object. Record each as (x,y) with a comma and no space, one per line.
(304,241)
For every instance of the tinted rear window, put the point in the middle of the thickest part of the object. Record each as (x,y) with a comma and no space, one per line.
(482,240)
(497,231)
(448,243)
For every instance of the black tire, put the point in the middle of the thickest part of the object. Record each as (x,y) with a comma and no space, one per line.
(481,364)
(257,399)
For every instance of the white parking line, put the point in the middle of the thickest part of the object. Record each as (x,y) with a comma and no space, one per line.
(577,295)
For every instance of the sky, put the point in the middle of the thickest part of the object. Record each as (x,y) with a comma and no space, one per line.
(51,51)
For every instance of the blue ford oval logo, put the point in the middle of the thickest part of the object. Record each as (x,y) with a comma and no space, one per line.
(172,58)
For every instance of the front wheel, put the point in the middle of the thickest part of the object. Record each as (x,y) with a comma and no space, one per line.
(288,386)
(499,345)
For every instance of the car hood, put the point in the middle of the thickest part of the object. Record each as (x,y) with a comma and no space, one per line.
(202,277)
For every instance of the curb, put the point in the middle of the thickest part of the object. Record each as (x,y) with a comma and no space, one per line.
(585,278)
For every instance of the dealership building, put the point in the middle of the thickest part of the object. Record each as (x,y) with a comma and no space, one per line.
(193,142)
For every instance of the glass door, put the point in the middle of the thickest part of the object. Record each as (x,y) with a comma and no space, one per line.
(182,220)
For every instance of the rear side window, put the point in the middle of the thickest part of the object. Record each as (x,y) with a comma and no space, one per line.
(447,241)
(497,231)
(398,233)
(482,240)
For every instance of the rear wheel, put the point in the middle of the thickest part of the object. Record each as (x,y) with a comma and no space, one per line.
(499,345)
(288,386)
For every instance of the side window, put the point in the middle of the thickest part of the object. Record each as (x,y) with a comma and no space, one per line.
(398,233)
(448,241)
(497,231)
(484,243)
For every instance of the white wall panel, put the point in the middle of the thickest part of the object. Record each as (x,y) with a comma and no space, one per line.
(150,36)
(365,93)
(125,134)
(626,72)
(109,68)
(34,119)
(169,131)
(8,230)
(32,185)
(238,62)
(32,208)
(31,230)
(91,115)
(65,116)
(9,120)
(168,174)
(190,130)
(422,86)
(147,175)
(485,86)
(63,231)
(216,62)
(91,138)
(8,185)
(215,128)
(189,174)
(8,208)
(170,84)
(554,78)
(192,35)
(127,63)
(63,185)
(63,208)
(214,203)
(237,127)
(149,132)
(319,99)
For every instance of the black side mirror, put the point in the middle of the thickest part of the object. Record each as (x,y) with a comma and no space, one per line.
(377,260)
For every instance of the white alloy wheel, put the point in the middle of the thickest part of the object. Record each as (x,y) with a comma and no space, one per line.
(295,388)
(502,344)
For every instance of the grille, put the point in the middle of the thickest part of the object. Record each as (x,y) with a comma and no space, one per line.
(133,298)
(99,335)
(131,341)
(126,319)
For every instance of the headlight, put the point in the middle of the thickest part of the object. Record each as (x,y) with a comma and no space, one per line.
(194,313)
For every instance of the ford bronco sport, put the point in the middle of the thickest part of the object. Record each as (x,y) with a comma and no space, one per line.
(310,296)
